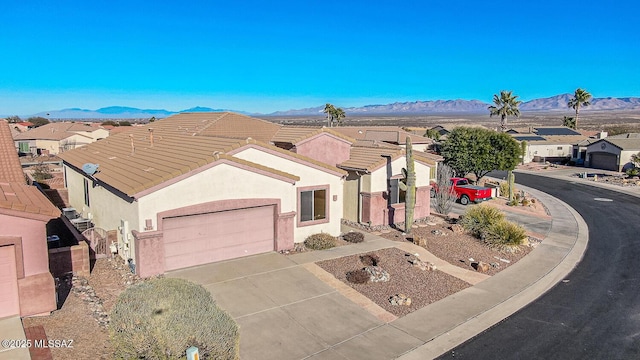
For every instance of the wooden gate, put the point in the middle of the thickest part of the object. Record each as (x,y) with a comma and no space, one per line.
(97,238)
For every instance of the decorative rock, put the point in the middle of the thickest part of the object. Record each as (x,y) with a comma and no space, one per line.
(400,300)
(482,267)
(457,229)
(377,273)
(423,265)
(437,232)
(420,241)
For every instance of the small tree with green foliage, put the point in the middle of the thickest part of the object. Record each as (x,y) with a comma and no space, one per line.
(38,121)
(110,123)
(432,134)
(569,122)
(480,151)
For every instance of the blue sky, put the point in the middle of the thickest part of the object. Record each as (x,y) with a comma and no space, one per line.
(263,56)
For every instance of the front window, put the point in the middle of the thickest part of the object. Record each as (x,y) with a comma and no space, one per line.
(396,194)
(313,205)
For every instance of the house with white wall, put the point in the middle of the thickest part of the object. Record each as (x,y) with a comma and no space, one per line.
(54,138)
(614,152)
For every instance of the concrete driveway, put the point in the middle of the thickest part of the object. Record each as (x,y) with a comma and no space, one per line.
(286,312)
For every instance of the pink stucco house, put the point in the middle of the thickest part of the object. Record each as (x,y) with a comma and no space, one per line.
(26,285)
(196,188)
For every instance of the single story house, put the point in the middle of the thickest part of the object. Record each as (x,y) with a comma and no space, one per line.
(54,138)
(387,134)
(178,195)
(552,148)
(613,153)
(26,285)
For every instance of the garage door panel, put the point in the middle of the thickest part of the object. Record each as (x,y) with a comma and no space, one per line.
(604,161)
(9,300)
(204,238)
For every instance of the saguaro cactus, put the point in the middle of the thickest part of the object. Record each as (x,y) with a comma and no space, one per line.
(512,179)
(410,197)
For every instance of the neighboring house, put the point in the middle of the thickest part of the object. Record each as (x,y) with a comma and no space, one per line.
(372,194)
(26,285)
(553,148)
(387,134)
(22,126)
(178,195)
(54,138)
(613,153)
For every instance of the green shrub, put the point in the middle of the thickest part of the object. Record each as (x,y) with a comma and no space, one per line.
(353,237)
(477,219)
(504,189)
(505,235)
(320,241)
(631,172)
(161,318)
(358,276)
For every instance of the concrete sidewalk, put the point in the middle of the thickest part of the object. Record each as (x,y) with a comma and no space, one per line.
(11,329)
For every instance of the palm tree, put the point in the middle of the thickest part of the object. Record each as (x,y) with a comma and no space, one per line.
(580,98)
(505,105)
(329,110)
(339,114)
(569,122)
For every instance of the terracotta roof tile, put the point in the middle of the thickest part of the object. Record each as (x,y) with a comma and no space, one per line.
(10,168)
(371,158)
(393,134)
(55,131)
(296,134)
(221,124)
(15,195)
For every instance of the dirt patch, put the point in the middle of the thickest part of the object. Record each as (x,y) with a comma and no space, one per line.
(423,287)
(76,319)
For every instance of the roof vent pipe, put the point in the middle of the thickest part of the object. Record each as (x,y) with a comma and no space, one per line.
(151,136)
(133,147)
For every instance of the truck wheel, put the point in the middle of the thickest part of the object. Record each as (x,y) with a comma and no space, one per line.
(464,200)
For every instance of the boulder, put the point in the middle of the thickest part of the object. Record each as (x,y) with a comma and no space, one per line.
(377,273)
(457,229)
(400,300)
(482,267)
(420,241)
(422,265)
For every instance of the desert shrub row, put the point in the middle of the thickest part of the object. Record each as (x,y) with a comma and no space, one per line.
(353,237)
(489,224)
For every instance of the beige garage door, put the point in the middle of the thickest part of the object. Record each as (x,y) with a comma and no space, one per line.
(204,238)
(9,301)
(605,161)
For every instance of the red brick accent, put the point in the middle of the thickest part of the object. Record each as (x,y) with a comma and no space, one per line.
(37,294)
(37,335)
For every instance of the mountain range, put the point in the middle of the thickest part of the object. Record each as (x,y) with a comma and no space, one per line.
(436,107)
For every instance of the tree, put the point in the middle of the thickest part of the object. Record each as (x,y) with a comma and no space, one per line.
(38,121)
(505,105)
(110,122)
(330,111)
(410,197)
(580,98)
(635,159)
(569,122)
(339,115)
(479,151)
(124,123)
(432,134)
(14,119)
(445,197)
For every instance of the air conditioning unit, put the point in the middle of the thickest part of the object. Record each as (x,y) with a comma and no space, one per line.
(69,213)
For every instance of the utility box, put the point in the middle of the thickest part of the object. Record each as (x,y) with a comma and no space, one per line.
(192,353)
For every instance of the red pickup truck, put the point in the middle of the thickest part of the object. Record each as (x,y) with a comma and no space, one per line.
(466,192)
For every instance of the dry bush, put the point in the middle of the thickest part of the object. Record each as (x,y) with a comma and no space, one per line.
(358,276)
(370,259)
(161,318)
(353,237)
(320,241)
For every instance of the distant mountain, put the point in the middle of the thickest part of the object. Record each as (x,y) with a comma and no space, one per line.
(554,103)
(559,103)
(119,112)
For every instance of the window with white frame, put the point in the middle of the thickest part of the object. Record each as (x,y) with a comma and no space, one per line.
(313,205)
(396,195)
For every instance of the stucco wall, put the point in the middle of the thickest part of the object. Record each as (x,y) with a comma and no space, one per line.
(547,150)
(34,242)
(53,146)
(326,148)
(380,176)
(308,177)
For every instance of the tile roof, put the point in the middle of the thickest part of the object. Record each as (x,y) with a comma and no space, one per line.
(627,144)
(138,167)
(55,131)
(296,134)
(17,198)
(221,124)
(10,168)
(383,133)
(371,158)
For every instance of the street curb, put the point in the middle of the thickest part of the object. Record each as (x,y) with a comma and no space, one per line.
(513,302)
